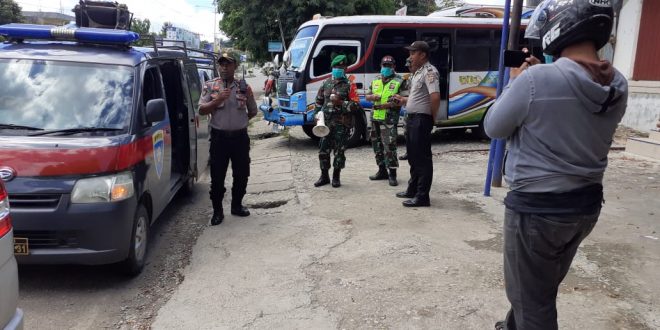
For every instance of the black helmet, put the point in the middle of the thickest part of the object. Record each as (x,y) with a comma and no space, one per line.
(561,23)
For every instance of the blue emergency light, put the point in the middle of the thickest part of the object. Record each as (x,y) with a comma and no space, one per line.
(51,32)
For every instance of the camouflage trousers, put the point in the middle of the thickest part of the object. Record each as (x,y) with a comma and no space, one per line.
(383,140)
(334,142)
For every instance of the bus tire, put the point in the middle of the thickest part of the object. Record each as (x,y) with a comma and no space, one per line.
(356,135)
(480,131)
(308,130)
(137,252)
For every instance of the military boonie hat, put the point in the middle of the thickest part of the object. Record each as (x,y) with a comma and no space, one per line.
(225,57)
(419,46)
(338,60)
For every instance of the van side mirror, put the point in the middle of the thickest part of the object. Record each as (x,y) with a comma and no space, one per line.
(155,110)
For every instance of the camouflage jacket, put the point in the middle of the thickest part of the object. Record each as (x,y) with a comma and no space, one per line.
(340,110)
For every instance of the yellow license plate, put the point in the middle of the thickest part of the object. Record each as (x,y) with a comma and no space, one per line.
(21,246)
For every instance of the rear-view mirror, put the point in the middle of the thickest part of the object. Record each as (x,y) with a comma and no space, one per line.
(155,110)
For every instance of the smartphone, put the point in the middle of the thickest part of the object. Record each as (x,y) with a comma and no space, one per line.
(515,58)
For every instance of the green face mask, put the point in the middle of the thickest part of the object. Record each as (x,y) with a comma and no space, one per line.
(386,72)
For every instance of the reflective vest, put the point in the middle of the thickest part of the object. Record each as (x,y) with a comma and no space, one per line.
(385,92)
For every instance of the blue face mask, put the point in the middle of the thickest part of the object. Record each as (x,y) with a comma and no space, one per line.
(386,72)
(337,73)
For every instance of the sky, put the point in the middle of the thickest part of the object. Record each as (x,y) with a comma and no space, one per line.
(194,15)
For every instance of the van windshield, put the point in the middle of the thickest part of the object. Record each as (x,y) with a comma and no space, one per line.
(50,95)
(301,45)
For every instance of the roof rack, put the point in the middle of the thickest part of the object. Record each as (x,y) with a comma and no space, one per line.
(207,60)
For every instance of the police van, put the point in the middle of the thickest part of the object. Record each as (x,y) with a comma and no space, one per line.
(96,138)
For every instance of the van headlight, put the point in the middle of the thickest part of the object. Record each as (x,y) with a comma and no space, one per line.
(111,188)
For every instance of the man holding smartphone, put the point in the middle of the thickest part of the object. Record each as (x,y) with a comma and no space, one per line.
(559,120)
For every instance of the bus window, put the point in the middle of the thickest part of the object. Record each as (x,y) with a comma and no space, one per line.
(321,62)
(472,51)
(439,57)
(392,42)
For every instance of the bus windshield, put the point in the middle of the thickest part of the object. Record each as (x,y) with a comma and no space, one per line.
(301,45)
(51,95)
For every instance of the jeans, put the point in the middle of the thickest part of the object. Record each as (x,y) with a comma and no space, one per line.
(538,251)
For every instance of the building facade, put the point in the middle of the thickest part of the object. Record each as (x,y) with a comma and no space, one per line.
(636,49)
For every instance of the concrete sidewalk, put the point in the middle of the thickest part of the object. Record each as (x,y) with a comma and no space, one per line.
(353,258)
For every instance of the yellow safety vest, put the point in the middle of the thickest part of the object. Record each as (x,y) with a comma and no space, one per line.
(386,91)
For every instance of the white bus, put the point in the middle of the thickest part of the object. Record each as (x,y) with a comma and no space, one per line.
(465,50)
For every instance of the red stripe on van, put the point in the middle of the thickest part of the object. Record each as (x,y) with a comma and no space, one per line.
(76,161)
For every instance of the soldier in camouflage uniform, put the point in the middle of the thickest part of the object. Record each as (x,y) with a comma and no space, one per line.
(384,119)
(334,101)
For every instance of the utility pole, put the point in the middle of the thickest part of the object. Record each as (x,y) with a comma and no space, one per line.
(279,23)
(215,25)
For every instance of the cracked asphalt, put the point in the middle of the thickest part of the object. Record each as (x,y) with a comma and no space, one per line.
(354,258)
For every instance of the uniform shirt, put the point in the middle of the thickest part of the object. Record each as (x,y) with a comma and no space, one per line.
(423,82)
(230,115)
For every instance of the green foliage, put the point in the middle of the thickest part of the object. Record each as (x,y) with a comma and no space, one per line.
(420,7)
(10,12)
(442,4)
(163,29)
(141,26)
(250,24)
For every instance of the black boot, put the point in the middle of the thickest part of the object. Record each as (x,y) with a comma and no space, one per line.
(380,175)
(217,217)
(218,214)
(239,210)
(404,156)
(323,180)
(392,177)
(335,178)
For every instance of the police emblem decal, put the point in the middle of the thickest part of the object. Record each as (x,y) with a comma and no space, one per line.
(289,88)
(159,151)
(7,173)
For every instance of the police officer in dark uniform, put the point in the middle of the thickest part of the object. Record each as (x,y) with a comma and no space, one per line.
(231,104)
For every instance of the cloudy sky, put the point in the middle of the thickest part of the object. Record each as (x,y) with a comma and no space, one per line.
(195,15)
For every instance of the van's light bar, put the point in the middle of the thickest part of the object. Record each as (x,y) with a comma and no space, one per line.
(50,32)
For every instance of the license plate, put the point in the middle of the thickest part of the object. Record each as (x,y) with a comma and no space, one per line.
(21,246)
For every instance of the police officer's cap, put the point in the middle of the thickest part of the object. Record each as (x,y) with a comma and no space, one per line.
(388,59)
(226,58)
(339,60)
(419,45)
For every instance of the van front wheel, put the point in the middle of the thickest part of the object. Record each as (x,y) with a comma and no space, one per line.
(137,252)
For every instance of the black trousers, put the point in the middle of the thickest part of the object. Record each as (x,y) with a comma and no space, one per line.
(538,251)
(228,146)
(418,147)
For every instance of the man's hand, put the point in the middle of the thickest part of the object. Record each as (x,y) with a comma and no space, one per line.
(531,60)
(399,100)
(373,97)
(222,96)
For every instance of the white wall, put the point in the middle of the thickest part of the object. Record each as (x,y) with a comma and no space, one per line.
(626,36)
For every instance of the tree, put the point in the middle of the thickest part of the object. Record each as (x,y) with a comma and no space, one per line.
(420,7)
(141,26)
(10,12)
(250,24)
(442,4)
(166,26)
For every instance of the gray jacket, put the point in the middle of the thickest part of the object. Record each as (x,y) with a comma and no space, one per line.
(558,130)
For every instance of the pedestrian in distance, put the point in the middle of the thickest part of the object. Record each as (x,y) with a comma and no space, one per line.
(385,119)
(421,107)
(559,119)
(334,101)
(231,104)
